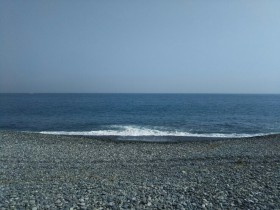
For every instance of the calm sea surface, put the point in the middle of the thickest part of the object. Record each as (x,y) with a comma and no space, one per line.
(142,115)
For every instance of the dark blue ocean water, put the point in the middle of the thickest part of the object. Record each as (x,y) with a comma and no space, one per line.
(202,115)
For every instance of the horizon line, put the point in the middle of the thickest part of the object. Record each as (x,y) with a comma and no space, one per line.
(136,93)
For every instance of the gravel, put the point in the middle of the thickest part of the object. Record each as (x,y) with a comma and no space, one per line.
(62,172)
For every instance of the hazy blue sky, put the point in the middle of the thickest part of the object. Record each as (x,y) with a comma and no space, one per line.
(140,46)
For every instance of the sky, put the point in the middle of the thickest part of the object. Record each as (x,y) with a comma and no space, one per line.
(141,46)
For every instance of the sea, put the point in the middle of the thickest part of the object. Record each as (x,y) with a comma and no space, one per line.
(142,117)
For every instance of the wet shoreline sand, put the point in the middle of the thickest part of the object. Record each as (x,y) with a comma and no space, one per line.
(63,172)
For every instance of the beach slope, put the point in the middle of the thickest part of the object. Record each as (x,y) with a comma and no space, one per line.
(62,172)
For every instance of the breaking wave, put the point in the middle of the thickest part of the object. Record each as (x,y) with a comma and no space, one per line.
(144,131)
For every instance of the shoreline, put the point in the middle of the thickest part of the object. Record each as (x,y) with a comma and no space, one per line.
(53,171)
(153,138)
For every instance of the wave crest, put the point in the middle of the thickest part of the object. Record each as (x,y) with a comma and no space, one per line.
(142,131)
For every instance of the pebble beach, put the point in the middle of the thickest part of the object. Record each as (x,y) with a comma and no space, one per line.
(40,171)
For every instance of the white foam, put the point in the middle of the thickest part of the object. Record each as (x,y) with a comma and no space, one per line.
(142,131)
